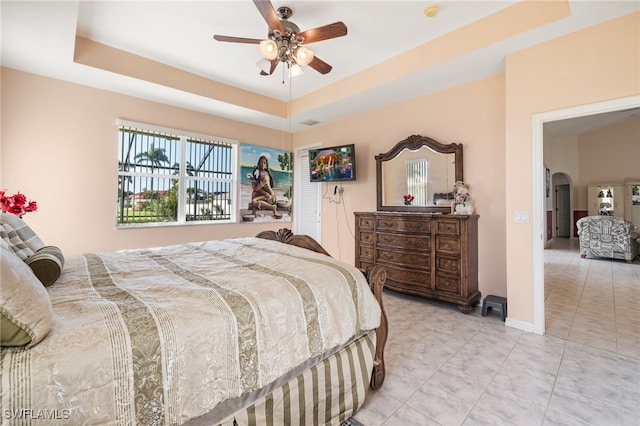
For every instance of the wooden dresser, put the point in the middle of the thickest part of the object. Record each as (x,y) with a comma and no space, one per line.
(425,254)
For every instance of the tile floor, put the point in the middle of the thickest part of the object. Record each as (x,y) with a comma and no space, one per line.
(447,368)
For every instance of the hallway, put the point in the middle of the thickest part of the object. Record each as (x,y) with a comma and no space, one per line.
(592,301)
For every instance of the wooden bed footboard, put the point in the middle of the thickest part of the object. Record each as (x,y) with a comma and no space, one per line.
(376,278)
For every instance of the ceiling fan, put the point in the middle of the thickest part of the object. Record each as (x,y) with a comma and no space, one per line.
(284,42)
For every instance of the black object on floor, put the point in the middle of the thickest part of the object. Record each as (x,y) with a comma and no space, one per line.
(351,422)
(495,303)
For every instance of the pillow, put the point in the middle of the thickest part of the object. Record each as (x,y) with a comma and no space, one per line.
(20,237)
(47,263)
(26,313)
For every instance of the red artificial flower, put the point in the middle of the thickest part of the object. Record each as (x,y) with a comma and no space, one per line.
(19,199)
(31,207)
(16,204)
(16,209)
(6,203)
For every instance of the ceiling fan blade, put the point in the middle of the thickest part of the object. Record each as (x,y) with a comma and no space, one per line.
(269,14)
(319,65)
(337,29)
(237,39)
(274,64)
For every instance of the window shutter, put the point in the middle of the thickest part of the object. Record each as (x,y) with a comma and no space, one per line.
(307,196)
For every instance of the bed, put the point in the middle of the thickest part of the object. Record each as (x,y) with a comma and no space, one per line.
(261,330)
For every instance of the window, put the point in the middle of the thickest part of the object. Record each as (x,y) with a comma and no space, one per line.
(165,177)
(417,179)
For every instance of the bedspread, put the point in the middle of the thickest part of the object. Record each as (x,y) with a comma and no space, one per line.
(163,335)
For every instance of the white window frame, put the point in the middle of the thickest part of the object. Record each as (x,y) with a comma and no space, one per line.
(417,175)
(184,135)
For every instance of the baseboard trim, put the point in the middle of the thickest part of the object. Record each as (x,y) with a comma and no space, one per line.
(520,325)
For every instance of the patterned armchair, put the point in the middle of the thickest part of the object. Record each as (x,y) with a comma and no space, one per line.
(607,236)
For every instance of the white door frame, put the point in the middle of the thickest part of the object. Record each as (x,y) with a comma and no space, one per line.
(539,213)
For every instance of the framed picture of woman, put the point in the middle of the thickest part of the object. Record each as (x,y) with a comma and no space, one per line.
(265,184)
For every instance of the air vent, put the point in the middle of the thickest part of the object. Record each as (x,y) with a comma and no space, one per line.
(310,122)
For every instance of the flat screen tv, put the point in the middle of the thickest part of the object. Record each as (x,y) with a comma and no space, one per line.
(336,163)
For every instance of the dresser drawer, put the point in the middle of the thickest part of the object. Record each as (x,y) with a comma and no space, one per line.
(408,225)
(410,259)
(413,242)
(448,265)
(365,237)
(448,284)
(363,264)
(447,245)
(407,279)
(448,226)
(366,252)
(365,221)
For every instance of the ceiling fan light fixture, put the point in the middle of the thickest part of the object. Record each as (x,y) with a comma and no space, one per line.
(295,70)
(304,56)
(269,49)
(283,43)
(264,65)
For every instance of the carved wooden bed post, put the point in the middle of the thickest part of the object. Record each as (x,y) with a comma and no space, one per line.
(376,278)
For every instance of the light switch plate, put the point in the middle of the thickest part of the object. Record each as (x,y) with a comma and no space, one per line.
(521,216)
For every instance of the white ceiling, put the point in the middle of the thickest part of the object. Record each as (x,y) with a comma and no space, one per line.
(39,37)
(575,126)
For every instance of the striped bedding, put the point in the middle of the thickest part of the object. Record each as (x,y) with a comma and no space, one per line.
(165,335)
(328,393)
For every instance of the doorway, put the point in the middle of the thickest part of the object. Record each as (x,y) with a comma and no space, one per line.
(562,205)
(539,205)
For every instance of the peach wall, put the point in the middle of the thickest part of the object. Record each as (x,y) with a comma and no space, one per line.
(471,114)
(561,156)
(59,146)
(593,65)
(609,155)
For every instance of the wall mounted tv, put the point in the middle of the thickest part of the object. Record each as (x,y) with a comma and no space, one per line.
(336,163)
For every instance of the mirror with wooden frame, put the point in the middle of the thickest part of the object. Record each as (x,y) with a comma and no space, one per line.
(418,175)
